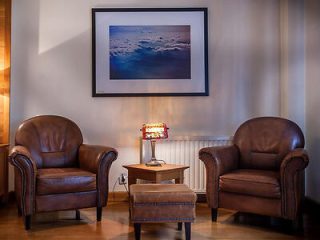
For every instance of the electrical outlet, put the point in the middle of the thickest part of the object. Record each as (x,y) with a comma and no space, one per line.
(122,179)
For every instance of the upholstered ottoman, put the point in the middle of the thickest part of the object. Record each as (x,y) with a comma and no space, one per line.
(153,203)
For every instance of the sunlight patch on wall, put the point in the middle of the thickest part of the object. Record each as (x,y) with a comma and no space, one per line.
(60,21)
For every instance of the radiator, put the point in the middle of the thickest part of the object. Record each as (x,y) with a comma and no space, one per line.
(184,151)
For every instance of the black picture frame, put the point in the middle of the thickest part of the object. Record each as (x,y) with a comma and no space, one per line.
(108,22)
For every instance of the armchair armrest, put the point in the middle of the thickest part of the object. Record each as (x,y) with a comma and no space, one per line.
(25,174)
(98,159)
(292,181)
(297,159)
(217,160)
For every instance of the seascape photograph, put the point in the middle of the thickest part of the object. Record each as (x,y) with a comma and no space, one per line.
(149,52)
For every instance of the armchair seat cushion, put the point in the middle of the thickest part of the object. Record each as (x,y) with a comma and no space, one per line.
(64,180)
(253,182)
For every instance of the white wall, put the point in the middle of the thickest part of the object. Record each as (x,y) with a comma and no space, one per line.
(313,96)
(51,73)
(292,63)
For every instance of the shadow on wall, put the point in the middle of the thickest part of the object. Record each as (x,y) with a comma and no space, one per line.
(312,176)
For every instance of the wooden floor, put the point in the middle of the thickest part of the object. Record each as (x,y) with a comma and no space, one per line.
(115,225)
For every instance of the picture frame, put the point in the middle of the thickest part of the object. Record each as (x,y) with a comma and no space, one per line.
(149,52)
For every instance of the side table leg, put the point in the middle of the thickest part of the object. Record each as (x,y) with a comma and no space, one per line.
(131,180)
(180,179)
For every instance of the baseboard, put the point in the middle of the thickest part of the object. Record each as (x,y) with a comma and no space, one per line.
(118,197)
(201,198)
(11,197)
(8,198)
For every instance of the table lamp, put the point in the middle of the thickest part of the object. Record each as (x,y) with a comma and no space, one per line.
(152,132)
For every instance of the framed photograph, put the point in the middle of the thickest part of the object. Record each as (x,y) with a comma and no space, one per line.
(149,52)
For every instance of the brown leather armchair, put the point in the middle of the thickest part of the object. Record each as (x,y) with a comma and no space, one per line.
(262,172)
(54,170)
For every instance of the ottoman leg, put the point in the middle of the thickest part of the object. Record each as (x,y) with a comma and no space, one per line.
(78,214)
(137,230)
(99,214)
(187,228)
(179,226)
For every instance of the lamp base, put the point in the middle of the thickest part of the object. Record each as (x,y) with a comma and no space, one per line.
(153,163)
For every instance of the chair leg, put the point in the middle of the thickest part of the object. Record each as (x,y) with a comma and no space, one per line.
(27,222)
(187,229)
(214,214)
(99,213)
(179,226)
(297,224)
(137,230)
(78,214)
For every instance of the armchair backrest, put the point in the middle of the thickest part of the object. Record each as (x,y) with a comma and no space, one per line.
(53,141)
(264,142)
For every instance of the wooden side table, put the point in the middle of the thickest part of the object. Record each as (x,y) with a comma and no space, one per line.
(155,174)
